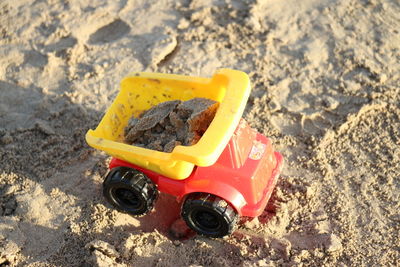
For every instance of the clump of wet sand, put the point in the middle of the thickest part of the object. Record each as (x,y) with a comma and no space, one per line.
(171,123)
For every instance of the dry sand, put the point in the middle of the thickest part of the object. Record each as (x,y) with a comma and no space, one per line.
(325,78)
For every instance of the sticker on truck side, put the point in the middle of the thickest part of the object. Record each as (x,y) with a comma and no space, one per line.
(257,151)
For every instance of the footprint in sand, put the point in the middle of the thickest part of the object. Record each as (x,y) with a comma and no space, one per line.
(109,32)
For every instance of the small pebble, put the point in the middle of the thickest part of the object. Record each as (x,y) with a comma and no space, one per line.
(383,78)
(335,244)
(103,247)
(7,139)
(44,127)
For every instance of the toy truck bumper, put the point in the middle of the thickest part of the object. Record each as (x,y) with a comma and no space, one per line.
(256,209)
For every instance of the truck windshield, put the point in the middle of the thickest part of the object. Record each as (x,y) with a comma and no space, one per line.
(241,143)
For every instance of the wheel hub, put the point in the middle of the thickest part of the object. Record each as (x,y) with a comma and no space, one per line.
(127,197)
(207,220)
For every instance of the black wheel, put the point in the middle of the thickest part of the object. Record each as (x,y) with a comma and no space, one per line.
(129,191)
(209,215)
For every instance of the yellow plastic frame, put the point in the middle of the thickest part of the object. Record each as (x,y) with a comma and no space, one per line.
(140,91)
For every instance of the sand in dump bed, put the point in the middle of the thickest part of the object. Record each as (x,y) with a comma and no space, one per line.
(325,81)
(171,123)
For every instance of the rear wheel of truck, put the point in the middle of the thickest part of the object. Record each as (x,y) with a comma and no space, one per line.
(209,215)
(129,191)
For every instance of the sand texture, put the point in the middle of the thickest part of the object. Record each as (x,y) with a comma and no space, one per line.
(325,87)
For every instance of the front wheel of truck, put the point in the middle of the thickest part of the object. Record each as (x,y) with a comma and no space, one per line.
(129,191)
(209,215)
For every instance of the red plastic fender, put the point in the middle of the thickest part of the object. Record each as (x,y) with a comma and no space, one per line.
(222,190)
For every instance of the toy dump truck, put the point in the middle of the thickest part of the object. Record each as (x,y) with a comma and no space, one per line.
(230,172)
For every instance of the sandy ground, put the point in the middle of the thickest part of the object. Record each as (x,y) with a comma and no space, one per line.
(325,78)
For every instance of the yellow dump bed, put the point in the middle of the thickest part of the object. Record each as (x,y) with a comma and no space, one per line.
(141,91)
